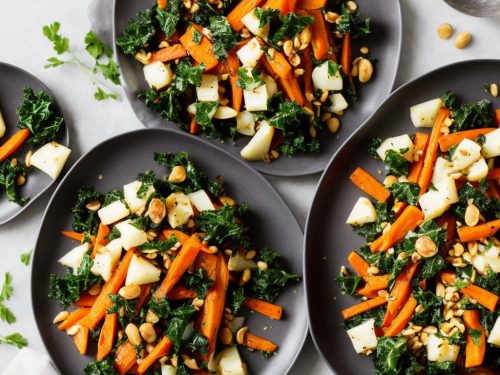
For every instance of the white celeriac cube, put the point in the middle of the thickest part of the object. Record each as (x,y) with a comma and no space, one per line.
(433,204)
(158,75)
(440,349)
(141,271)
(442,169)
(168,370)
(323,81)
(260,144)
(74,257)
(50,158)
(362,213)
(477,171)
(130,235)
(491,146)
(250,54)
(252,22)
(224,113)
(107,258)
(113,212)
(256,100)
(179,209)
(339,104)
(401,142)
(245,123)
(363,336)
(424,115)
(448,188)
(201,201)
(466,154)
(494,337)
(230,363)
(271,85)
(133,201)
(208,91)
(492,256)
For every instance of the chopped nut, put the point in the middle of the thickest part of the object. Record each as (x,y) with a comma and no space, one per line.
(73,330)
(261,265)
(365,70)
(227,200)
(458,249)
(294,59)
(463,39)
(306,36)
(333,124)
(430,329)
(93,206)
(445,31)
(440,291)
(426,247)
(177,175)
(151,317)
(364,50)
(95,290)
(415,257)
(250,254)
(288,48)
(240,335)
(148,332)
(133,334)
(493,90)
(27,158)
(331,17)
(372,270)
(157,210)
(471,215)
(352,6)
(389,180)
(245,276)
(63,315)
(226,336)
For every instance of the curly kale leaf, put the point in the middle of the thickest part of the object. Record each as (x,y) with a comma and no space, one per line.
(396,164)
(467,115)
(431,313)
(348,283)
(405,192)
(169,17)
(9,173)
(138,32)
(371,231)
(224,37)
(104,367)
(352,23)
(85,220)
(199,282)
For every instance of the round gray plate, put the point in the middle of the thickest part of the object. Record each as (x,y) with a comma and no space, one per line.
(328,239)
(12,82)
(384,43)
(119,161)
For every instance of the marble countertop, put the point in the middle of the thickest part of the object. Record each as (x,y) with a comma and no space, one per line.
(91,122)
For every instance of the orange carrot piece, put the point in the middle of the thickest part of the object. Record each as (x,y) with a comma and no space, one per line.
(291,6)
(73,318)
(292,89)
(100,239)
(73,235)
(181,236)
(310,4)
(447,222)
(279,64)
(404,316)
(81,340)
(242,9)
(194,128)
(107,336)
(186,256)
(448,277)
(209,262)
(358,263)
(319,41)
(493,191)
(125,358)
(160,350)
(143,297)
(497,117)
(281,5)
(482,296)
(203,52)
(86,300)
(400,293)
(12,144)
(258,343)
(474,353)
(162,4)
(494,174)
(468,234)
(446,141)
(409,219)
(180,292)
(213,308)
(236,91)
(346,55)
(366,291)
(265,308)
(424,180)
(377,282)
(177,51)
(363,307)
(366,182)
(103,303)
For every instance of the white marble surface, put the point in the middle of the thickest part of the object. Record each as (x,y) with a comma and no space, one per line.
(22,43)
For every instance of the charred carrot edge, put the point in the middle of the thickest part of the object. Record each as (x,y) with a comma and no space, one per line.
(319,41)
(258,343)
(107,336)
(474,353)
(402,319)
(73,318)
(203,52)
(13,143)
(468,234)
(363,307)
(177,51)
(125,357)
(366,182)
(236,91)
(358,263)
(310,4)
(268,309)
(446,141)
(160,350)
(242,9)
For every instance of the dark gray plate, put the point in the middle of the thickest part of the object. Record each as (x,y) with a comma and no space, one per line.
(12,82)
(118,161)
(384,42)
(328,239)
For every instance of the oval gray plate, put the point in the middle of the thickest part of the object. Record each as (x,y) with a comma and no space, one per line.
(119,161)
(384,42)
(12,82)
(329,240)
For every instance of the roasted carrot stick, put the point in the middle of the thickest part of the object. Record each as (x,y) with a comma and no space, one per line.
(86,300)
(497,117)
(400,293)
(242,9)
(482,296)
(447,222)
(310,4)
(366,291)
(160,350)
(366,182)
(319,41)
(162,4)
(177,51)
(13,143)
(292,89)
(494,174)
(409,219)
(281,5)
(258,343)
(236,91)
(208,262)
(125,357)
(81,340)
(363,307)
(100,239)
(180,292)
(143,297)
(107,336)
(424,180)
(73,235)
(404,316)
(103,303)
(194,128)
(203,52)
(448,276)
(474,353)
(376,282)
(346,55)
(468,234)
(73,318)
(265,308)
(181,263)
(446,141)
(279,63)
(358,263)
(181,236)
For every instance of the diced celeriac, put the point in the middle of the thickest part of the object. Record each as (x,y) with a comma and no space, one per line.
(245,123)
(168,370)
(339,104)
(442,169)
(2,125)
(130,235)
(491,146)
(256,100)
(401,142)
(224,113)
(492,256)
(363,336)
(50,158)
(259,145)
(448,188)
(158,74)
(133,201)
(323,81)
(237,263)
(433,204)
(480,264)
(440,349)
(250,54)
(251,22)
(201,201)
(477,171)
(208,91)
(363,212)
(74,257)
(230,363)
(141,271)
(466,154)
(106,259)
(271,85)
(179,209)
(494,337)
(424,115)
(113,212)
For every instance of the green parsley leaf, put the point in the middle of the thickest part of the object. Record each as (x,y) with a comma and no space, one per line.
(197,37)
(7,289)
(53,62)
(95,47)
(109,71)
(250,79)
(25,257)
(100,95)
(14,339)
(333,68)
(6,314)
(60,43)
(199,282)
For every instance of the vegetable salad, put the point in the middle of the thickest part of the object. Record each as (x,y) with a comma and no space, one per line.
(429,275)
(161,274)
(277,71)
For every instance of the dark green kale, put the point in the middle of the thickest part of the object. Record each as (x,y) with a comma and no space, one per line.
(475,335)
(85,220)
(371,231)
(67,289)
(125,308)
(114,234)
(396,164)
(238,296)
(449,99)
(138,32)
(290,25)
(467,115)
(160,307)
(405,192)
(112,196)
(269,256)
(384,261)
(440,368)
(397,267)
(393,357)
(377,314)
(198,281)
(169,17)
(186,74)
(104,367)
(352,23)
(162,246)
(266,15)
(249,79)
(431,267)
(224,37)
(9,173)
(431,313)
(166,103)
(177,325)
(203,14)
(197,343)
(372,147)
(147,179)
(490,282)
(490,208)
(348,283)
(205,112)
(36,113)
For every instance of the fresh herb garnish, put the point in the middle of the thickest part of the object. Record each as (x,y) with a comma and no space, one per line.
(199,282)
(9,172)
(85,220)
(6,314)
(14,339)
(348,283)
(25,257)
(104,367)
